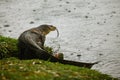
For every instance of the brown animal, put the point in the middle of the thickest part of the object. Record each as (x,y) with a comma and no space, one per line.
(31,46)
(32,41)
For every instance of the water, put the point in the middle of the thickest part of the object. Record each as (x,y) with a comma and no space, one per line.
(89,29)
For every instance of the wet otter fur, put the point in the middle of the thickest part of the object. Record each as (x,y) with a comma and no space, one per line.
(31,46)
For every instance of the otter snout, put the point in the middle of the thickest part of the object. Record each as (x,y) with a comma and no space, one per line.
(52,28)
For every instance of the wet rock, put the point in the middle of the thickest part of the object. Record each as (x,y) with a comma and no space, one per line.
(100,54)
(105,40)
(79,55)
(60,5)
(98,22)
(74,8)
(67,2)
(10,31)
(108,34)
(31,22)
(6,25)
(68,10)
(86,16)
(113,12)
(88,49)
(34,10)
(111,16)
(71,54)
(104,21)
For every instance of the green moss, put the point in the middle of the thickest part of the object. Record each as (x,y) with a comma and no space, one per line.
(15,69)
(48,49)
(8,47)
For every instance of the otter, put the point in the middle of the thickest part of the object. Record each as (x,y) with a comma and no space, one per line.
(31,46)
(32,41)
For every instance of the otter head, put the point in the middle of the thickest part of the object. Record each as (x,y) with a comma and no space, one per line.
(47,28)
(52,28)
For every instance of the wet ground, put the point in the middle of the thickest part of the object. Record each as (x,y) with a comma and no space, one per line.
(89,29)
